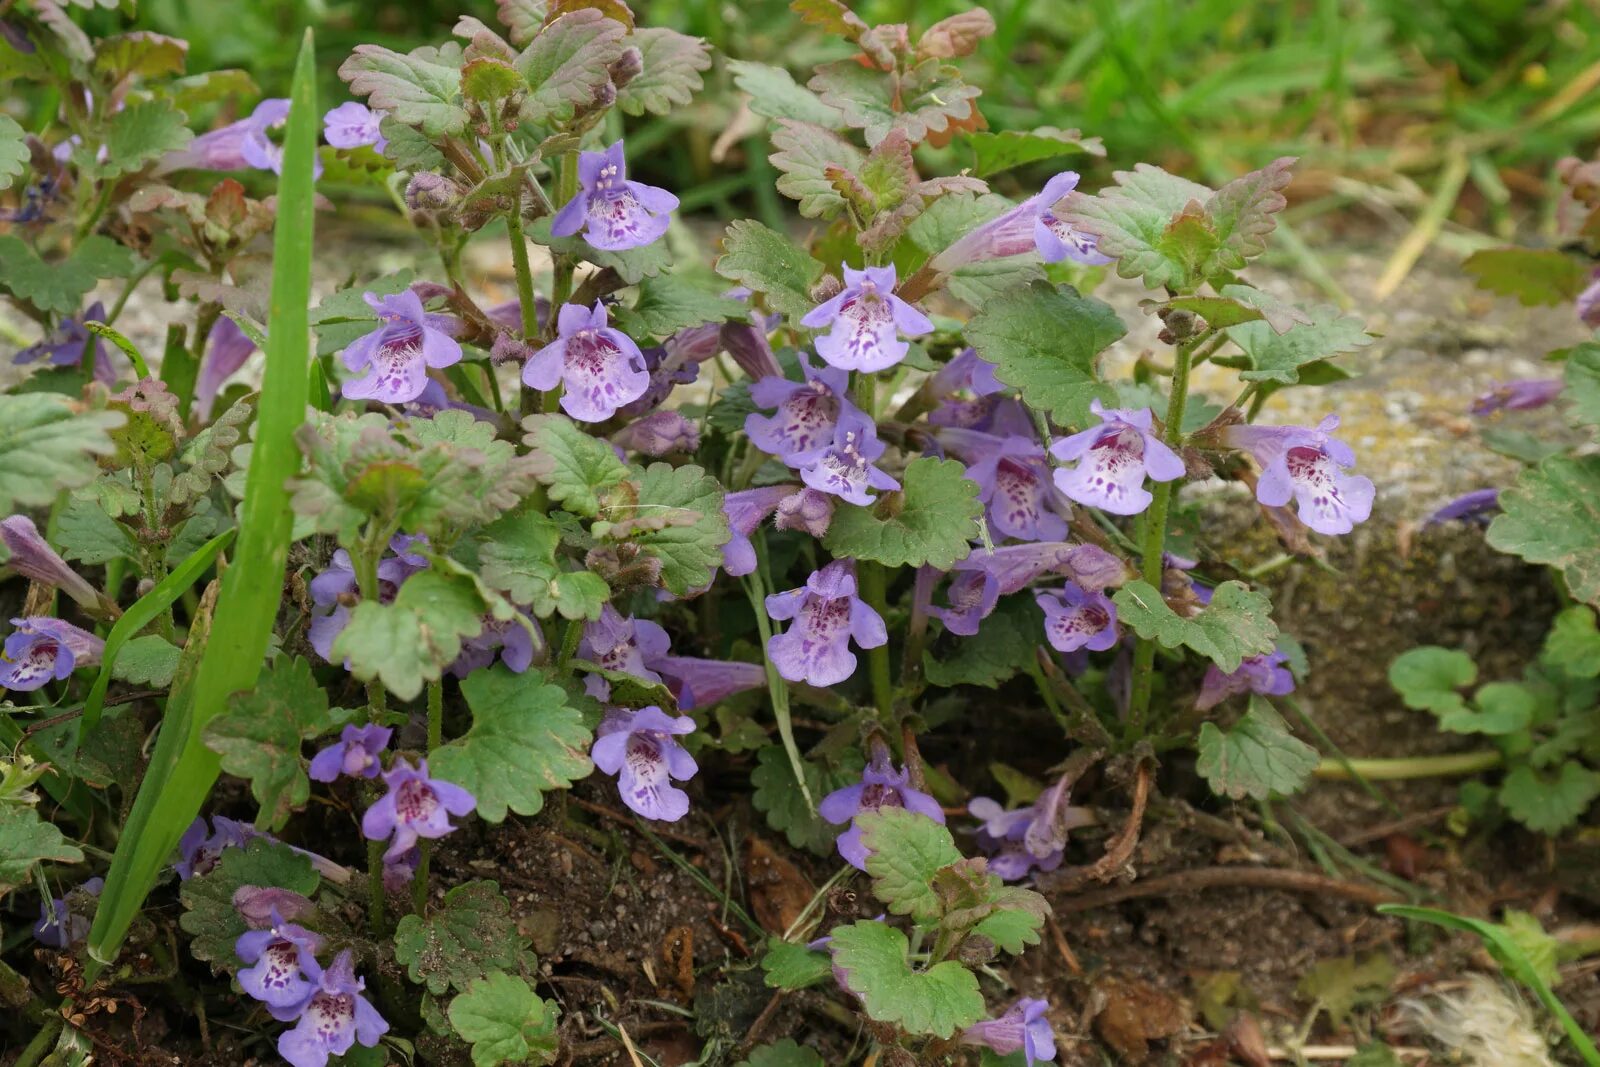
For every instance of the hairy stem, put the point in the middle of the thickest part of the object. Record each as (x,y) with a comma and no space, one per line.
(419,885)
(525,299)
(375,891)
(756,586)
(873,582)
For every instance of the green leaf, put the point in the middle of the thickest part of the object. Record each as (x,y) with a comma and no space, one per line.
(1132,218)
(489,80)
(520,559)
(147,660)
(672,302)
(784,1053)
(1548,804)
(1582,391)
(525,740)
(1012,929)
(1003,645)
(84,532)
(806,155)
(1428,678)
(566,65)
(140,52)
(1573,643)
(209,912)
(922,100)
(904,851)
(777,795)
(1237,623)
(1552,515)
(1503,708)
(14,156)
(1340,986)
(775,94)
(771,264)
(505,1022)
(1536,946)
(1533,276)
(791,966)
(993,153)
(521,18)
(470,935)
(931,519)
(873,958)
(138,134)
(47,444)
(27,840)
(411,640)
(421,88)
(1375,1054)
(574,466)
(1243,212)
(1047,341)
(61,286)
(259,736)
(671,76)
(1257,757)
(687,504)
(1274,356)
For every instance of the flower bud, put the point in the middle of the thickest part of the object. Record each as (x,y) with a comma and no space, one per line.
(975,950)
(432,192)
(626,67)
(827,287)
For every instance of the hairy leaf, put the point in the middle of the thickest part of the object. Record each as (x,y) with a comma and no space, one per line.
(505,1022)
(61,286)
(566,65)
(147,660)
(1257,757)
(1237,623)
(671,76)
(771,264)
(210,915)
(1271,355)
(778,796)
(920,101)
(993,153)
(520,559)
(48,444)
(421,88)
(1047,341)
(671,303)
(1533,276)
(904,852)
(873,959)
(775,94)
(1552,515)
(138,134)
(574,466)
(804,154)
(1004,644)
(27,840)
(791,966)
(931,519)
(413,639)
(689,546)
(470,935)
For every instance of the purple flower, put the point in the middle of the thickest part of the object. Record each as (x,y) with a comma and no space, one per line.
(237,146)
(601,367)
(64,346)
(1030,226)
(1522,394)
(973,594)
(1114,459)
(200,847)
(1475,506)
(866,319)
(1023,1028)
(1056,239)
(278,956)
(827,614)
(1003,837)
(640,747)
(333,1018)
(510,639)
(967,372)
(807,412)
(1587,303)
(335,588)
(619,643)
(262,906)
(881,786)
(227,348)
(351,125)
(416,806)
(659,433)
(807,510)
(1013,481)
(746,511)
(42,648)
(34,559)
(698,683)
(1307,465)
(1075,618)
(1255,674)
(614,213)
(61,927)
(397,355)
(399,872)
(358,753)
(751,351)
(845,467)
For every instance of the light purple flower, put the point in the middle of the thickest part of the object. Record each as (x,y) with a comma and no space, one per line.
(620,643)
(746,511)
(699,683)
(1113,460)
(34,559)
(1003,838)
(1587,304)
(1030,226)
(1475,506)
(335,588)
(64,346)
(1075,618)
(509,639)
(335,1016)
(1308,466)
(200,846)
(262,906)
(41,649)
(866,319)
(61,927)
(1266,675)
(351,125)
(807,412)
(1013,481)
(614,213)
(659,433)
(396,356)
(674,362)
(227,348)
(808,510)
(845,467)
(967,372)
(881,786)
(416,806)
(1023,1028)
(827,615)
(237,146)
(399,872)
(601,367)
(750,350)
(1522,394)
(973,594)
(358,754)
(641,748)
(278,956)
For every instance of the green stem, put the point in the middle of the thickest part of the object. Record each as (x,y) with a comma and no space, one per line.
(41,1043)
(873,581)
(1389,770)
(1154,539)
(756,586)
(570,638)
(419,885)
(376,894)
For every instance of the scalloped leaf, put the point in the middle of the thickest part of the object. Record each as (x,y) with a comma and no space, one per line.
(1237,623)
(671,76)
(469,935)
(994,153)
(567,64)
(1552,515)
(931,519)
(769,263)
(1256,757)
(574,466)
(1046,341)
(874,960)
(421,88)
(775,94)
(693,528)
(1534,277)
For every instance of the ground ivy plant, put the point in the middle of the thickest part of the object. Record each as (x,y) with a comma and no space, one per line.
(627,521)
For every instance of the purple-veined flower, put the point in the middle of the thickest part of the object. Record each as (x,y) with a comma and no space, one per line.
(659,433)
(1000,839)
(985,576)
(674,362)
(1308,466)
(41,649)
(1475,506)
(396,356)
(34,559)
(64,346)
(807,414)
(351,125)
(846,467)
(1057,239)
(746,511)
(239,145)
(641,749)
(866,321)
(201,847)
(333,1018)
(277,955)
(973,594)
(511,640)
(698,683)
(827,615)
(807,510)
(416,806)
(881,786)
(357,754)
(1013,482)
(399,872)
(227,348)
(615,214)
(1075,618)
(1022,1028)
(620,643)
(1265,675)
(335,588)
(262,906)
(61,927)
(750,350)
(1031,226)
(1522,394)
(601,367)
(1113,460)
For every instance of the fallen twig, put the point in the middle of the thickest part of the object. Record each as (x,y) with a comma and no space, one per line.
(1119,850)
(1201,878)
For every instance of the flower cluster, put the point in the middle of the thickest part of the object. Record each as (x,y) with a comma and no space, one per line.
(1023,840)
(327,1005)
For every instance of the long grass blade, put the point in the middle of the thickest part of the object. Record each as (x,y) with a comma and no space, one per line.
(182,770)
